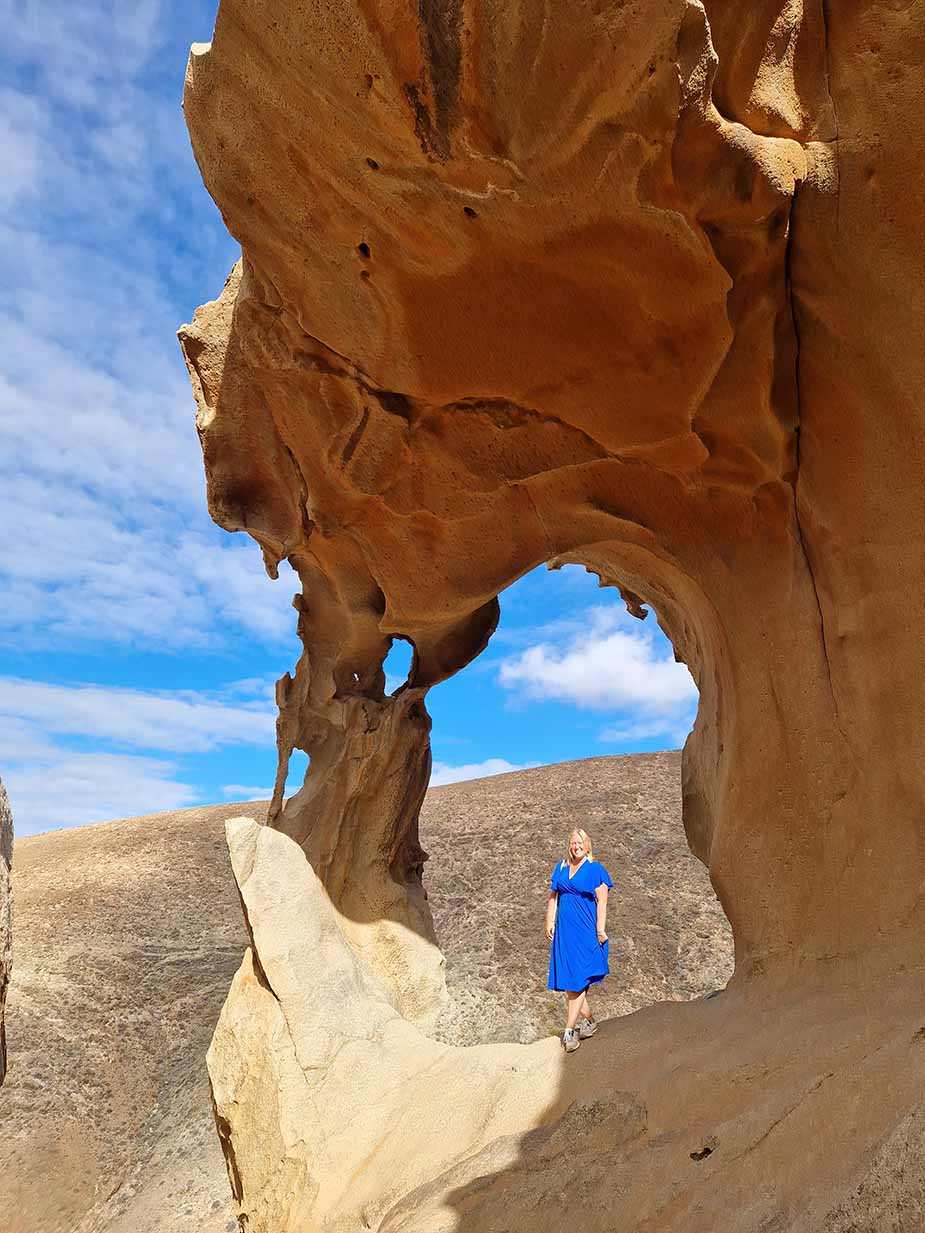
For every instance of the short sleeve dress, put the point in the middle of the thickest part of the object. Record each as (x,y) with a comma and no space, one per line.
(576,958)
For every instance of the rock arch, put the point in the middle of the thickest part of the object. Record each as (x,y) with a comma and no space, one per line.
(582,285)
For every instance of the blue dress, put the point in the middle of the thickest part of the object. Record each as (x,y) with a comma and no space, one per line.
(576,958)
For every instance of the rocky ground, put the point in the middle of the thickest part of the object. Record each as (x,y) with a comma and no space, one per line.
(127,935)
(493,844)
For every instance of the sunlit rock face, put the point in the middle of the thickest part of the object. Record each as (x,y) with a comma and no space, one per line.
(6,947)
(633,286)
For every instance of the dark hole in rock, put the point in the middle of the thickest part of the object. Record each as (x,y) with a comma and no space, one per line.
(372,164)
(363,249)
(707,1150)
(469,212)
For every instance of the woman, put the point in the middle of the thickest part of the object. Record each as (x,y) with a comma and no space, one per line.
(576,925)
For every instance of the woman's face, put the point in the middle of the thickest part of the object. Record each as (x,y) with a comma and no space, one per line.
(576,847)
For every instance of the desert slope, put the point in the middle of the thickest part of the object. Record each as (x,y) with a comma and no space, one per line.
(128,934)
(493,843)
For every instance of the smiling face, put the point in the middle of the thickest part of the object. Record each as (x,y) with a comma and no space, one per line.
(577,847)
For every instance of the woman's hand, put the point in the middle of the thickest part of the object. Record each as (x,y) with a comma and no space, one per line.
(601,896)
(552,907)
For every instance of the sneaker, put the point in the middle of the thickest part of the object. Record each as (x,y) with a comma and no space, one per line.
(571,1040)
(586,1028)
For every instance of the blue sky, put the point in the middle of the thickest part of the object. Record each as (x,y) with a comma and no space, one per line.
(139,644)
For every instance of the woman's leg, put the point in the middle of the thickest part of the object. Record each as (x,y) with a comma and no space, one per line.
(573,1001)
(584,1009)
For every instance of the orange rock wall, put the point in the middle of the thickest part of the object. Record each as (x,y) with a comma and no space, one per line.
(633,285)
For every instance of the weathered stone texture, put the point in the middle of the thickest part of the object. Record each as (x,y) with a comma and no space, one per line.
(629,285)
(128,935)
(734,1112)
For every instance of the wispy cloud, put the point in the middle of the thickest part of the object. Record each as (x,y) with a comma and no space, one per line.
(87,753)
(186,722)
(246,792)
(71,789)
(601,666)
(109,241)
(107,535)
(444,773)
(20,120)
(672,730)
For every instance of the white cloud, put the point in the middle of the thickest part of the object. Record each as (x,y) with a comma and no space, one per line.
(22,742)
(255,688)
(176,722)
(602,667)
(20,117)
(232,578)
(57,777)
(632,734)
(109,538)
(76,48)
(110,241)
(72,789)
(443,773)
(244,792)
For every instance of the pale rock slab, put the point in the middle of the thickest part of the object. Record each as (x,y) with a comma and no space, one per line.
(329,1104)
(336,1114)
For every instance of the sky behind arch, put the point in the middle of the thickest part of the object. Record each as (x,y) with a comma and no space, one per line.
(139,644)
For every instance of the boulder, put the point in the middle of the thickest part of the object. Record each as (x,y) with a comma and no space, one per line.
(796,1111)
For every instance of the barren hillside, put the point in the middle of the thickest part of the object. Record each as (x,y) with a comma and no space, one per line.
(493,843)
(128,933)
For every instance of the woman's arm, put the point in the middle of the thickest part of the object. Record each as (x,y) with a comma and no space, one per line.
(551,904)
(601,894)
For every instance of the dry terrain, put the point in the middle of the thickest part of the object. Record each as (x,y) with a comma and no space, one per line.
(492,845)
(128,934)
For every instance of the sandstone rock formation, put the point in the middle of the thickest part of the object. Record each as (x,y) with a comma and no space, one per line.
(6,932)
(129,933)
(629,285)
(336,1113)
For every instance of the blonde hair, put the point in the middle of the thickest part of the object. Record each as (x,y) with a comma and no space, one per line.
(585,839)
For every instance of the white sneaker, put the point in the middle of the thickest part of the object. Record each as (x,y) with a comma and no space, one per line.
(571,1040)
(586,1028)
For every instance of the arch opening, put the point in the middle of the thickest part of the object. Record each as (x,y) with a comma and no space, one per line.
(580,737)
(398,664)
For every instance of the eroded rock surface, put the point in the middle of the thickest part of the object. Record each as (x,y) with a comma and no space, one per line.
(595,287)
(632,286)
(129,933)
(738,1112)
